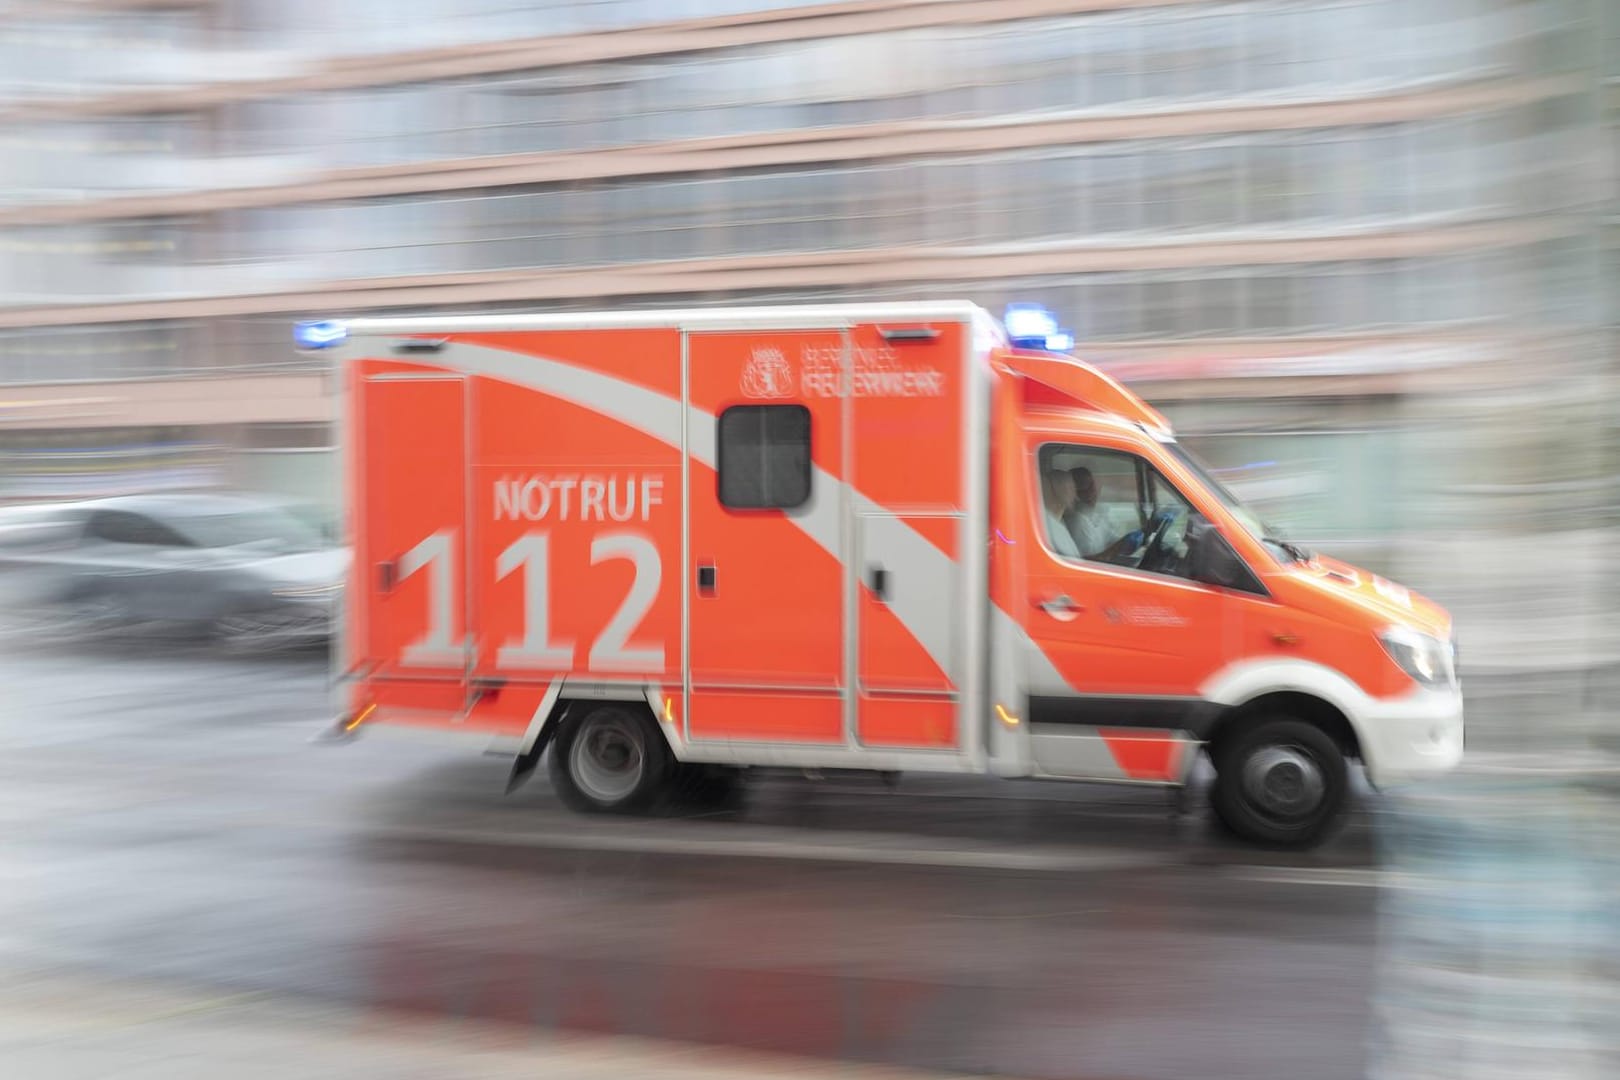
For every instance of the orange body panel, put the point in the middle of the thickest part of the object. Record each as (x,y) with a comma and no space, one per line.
(907,401)
(765,716)
(919,723)
(576,521)
(411,540)
(562,512)
(773,618)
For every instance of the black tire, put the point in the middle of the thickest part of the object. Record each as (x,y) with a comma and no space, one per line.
(1280,782)
(608,759)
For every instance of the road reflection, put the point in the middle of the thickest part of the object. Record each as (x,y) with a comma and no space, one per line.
(1498,935)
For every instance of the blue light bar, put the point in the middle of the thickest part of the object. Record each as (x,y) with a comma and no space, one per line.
(1031,326)
(1028,323)
(319,335)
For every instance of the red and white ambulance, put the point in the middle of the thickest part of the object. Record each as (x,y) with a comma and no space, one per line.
(876,537)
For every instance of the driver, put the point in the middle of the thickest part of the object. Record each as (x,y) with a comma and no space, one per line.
(1089,525)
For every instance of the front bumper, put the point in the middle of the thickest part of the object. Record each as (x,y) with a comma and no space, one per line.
(1412,737)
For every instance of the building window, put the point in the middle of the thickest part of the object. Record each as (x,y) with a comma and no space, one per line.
(764,457)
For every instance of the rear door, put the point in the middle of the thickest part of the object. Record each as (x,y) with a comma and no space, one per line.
(768,587)
(410,567)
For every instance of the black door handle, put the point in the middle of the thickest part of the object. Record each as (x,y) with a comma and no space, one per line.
(879,583)
(706,578)
(387,576)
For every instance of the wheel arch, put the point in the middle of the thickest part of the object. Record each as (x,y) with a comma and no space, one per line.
(597,780)
(1308,707)
(563,699)
(1310,691)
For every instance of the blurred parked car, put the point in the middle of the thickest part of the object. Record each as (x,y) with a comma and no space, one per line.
(240,568)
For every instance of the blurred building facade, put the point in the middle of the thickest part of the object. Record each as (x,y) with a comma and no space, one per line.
(1345,243)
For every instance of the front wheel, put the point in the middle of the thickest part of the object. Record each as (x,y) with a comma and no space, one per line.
(1280,782)
(608,759)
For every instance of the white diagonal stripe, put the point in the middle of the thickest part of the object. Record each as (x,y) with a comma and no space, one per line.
(925,616)
(1041,676)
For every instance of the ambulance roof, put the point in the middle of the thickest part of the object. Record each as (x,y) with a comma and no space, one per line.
(817,316)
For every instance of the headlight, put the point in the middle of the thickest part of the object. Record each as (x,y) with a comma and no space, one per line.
(1427,659)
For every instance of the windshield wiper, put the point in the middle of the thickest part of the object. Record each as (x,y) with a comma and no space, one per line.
(1295,552)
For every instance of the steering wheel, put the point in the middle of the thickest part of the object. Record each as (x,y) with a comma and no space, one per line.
(1152,554)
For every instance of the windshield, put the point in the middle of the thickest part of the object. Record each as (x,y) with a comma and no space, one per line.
(1251,522)
(271,529)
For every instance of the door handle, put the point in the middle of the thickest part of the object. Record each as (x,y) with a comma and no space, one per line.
(707,577)
(387,576)
(1060,606)
(878,582)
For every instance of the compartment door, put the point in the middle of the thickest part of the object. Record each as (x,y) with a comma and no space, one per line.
(911,441)
(767,569)
(908,695)
(409,577)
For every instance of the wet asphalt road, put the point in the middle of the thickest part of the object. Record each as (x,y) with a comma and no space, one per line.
(166,816)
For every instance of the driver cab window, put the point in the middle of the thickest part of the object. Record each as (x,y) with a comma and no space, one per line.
(1091,498)
(1112,507)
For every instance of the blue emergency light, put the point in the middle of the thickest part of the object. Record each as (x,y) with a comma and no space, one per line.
(319,335)
(1031,326)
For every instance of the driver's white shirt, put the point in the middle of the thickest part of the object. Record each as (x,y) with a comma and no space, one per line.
(1092,530)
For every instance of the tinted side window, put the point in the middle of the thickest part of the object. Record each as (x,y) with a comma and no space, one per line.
(1093,498)
(1110,506)
(112,527)
(764,457)
(123,527)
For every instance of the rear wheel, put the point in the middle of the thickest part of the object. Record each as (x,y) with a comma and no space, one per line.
(1280,782)
(608,759)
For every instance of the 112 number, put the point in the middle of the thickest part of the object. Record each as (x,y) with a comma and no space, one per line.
(530,555)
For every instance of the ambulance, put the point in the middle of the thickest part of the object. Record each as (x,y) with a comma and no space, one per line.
(648,547)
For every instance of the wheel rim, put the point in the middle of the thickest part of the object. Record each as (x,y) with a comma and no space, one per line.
(1285,783)
(608,759)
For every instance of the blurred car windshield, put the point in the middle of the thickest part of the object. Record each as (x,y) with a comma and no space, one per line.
(271,529)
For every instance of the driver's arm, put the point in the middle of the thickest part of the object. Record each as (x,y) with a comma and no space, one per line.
(1125,545)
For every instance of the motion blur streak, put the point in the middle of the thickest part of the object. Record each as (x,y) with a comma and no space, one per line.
(1362,253)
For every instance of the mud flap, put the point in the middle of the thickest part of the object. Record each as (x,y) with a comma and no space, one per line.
(528,760)
(524,764)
